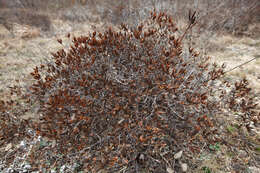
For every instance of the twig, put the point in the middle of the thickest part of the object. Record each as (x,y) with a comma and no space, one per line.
(236,67)
(192,22)
(240,65)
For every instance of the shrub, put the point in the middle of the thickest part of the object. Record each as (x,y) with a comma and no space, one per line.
(129,97)
(11,110)
(8,17)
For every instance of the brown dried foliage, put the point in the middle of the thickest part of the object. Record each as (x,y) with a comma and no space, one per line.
(12,127)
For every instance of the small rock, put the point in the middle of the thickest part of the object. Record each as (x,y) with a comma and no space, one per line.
(169,170)
(184,167)
(62,169)
(254,169)
(220,120)
(26,167)
(242,154)
(178,155)
(23,144)
(53,171)
(251,125)
(53,144)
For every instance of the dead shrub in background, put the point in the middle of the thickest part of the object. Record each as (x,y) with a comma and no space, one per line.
(219,15)
(232,16)
(9,17)
(214,16)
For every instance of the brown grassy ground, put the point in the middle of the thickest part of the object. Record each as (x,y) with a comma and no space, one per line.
(30,46)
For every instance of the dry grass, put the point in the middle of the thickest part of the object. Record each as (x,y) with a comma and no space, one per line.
(237,50)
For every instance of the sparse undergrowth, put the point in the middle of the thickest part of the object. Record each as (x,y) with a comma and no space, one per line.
(127,99)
